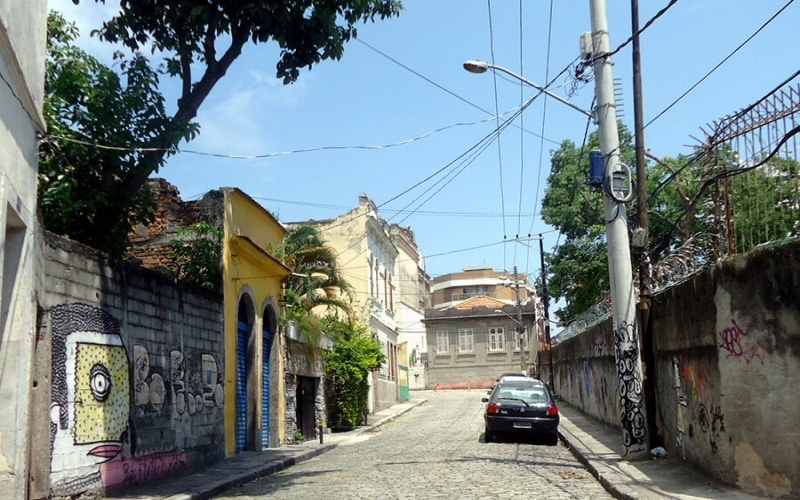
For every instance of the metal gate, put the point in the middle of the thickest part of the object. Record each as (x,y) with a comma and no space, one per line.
(241,386)
(405,390)
(266,348)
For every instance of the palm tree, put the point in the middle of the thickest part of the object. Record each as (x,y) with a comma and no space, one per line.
(315,283)
(315,280)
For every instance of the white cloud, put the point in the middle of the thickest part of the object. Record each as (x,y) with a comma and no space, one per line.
(88,16)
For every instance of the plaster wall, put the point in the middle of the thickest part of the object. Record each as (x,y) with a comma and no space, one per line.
(727,345)
(254,274)
(144,356)
(22,50)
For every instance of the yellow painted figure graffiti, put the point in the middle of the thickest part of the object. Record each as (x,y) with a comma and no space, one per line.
(90,406)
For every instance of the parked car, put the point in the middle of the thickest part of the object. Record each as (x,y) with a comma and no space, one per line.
(515,378)
(522,408)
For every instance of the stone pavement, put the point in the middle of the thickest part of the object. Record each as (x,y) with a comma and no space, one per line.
(598,446)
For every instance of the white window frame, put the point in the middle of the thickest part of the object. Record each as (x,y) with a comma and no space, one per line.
(466,341)
(496,339)
(516,340)
(442,343)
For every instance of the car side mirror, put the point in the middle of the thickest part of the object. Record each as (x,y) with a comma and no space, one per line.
(484,400)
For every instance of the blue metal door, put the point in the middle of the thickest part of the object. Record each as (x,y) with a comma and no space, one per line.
(241,386)
(266,348)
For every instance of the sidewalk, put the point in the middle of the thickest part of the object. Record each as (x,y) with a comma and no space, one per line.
(598,446)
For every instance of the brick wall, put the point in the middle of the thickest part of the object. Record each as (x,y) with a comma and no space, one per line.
(136,372)
(151,243)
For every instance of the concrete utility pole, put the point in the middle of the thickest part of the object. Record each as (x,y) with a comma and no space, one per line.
(523,361)
(546,303)
(616,181)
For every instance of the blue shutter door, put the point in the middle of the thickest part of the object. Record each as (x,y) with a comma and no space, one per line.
(265,351)
(241,387)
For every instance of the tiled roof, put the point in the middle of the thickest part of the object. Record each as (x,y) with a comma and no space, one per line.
(478,301)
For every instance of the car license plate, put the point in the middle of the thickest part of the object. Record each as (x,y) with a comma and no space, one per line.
(522,425)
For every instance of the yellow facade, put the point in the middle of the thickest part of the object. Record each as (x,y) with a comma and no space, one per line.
(253,277)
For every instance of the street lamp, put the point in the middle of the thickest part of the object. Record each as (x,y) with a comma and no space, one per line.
(479,67)
(626,337)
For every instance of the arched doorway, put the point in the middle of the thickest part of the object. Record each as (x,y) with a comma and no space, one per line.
(268,337)
(244,322)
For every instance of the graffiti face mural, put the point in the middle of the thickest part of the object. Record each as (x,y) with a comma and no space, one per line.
(90,405)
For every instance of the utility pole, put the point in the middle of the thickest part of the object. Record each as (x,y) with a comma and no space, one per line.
(520,328)
(616,175)
(546,301)
(645,292)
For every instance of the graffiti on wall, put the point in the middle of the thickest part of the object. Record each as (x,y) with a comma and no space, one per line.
(689,377)
(634,430)
(90,406)
(100,389)
(733,342)
(681,399)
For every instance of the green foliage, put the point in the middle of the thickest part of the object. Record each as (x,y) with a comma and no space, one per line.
(197,256)
(97,195)
(316,280)
(356,353)
(79,192)
(192,33)
(315,283)
(764,203)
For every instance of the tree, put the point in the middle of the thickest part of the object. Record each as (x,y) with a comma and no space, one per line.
(315,283)
(80,194)
(356,352)
(579,267)
(764,203)
(197,256)
(199,42)
(316,280)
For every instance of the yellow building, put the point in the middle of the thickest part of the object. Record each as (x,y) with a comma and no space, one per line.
(254,401)
(254,411)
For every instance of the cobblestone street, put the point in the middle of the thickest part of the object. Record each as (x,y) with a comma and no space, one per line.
(434,451)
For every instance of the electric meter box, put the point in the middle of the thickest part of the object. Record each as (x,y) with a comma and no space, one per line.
(596,168)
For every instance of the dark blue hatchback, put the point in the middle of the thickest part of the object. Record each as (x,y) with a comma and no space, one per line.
(523,410)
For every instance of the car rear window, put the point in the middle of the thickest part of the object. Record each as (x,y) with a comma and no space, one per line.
(526,394)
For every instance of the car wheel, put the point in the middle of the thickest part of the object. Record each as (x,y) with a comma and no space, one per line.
(488,436)
(552,439)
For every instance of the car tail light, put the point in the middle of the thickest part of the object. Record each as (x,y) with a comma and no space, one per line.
(552,411)
(493,408)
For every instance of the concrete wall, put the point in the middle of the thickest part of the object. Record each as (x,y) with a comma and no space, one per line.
(137,370)
(727,347)
(22,51)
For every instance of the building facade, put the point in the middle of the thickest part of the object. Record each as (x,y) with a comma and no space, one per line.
(367,257)
(482,323)
(23,28)
(256,415)
(412,298)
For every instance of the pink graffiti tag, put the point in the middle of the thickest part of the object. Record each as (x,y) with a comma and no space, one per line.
(732,342)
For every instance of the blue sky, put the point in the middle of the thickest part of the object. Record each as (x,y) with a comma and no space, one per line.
(399,108)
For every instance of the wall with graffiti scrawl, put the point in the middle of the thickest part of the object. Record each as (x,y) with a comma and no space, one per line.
(136,373)
(727,367)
